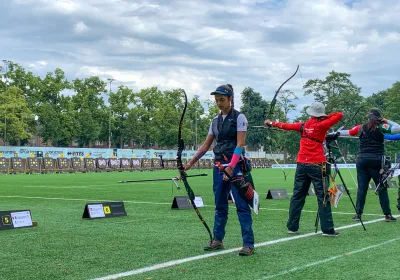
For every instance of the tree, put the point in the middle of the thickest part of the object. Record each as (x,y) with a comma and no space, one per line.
(337,92)
(119,106)
(53,109)
(27,82)
(288,141)
(167,114)
(198,123)
(388,102)
(16,117)
(139,125)
(255,109)
(89,109)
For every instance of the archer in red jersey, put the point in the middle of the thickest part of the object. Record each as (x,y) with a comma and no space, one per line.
(311,163)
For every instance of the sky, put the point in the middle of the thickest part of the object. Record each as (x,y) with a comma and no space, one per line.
(199,45)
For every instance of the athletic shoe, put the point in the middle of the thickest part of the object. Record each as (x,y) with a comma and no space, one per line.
(357,217)
(389,218)
(246,251)
(214,245)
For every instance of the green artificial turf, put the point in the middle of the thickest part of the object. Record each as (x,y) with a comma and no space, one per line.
(65,246)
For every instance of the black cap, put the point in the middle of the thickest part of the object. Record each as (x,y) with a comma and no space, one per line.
(374,114)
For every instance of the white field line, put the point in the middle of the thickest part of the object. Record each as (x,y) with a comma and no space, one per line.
(83,186)
(100,186)
(65,187)
(205,256)
(162,203)
(284,272)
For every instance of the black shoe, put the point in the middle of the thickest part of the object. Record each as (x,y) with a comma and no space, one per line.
(356,217)
(214,245)
(331,234)
(389,218)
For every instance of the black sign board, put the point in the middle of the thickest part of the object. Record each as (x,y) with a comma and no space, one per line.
(15,219)
(104,210)
(277,194)
(183,202)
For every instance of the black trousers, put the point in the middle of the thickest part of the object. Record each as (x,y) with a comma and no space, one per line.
(367,169)
(305,175)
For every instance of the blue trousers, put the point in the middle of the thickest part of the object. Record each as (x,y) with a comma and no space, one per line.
(221,190)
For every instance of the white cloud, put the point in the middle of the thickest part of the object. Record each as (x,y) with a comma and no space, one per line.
(193,81)
(80,27)
(37,65)
(201,44)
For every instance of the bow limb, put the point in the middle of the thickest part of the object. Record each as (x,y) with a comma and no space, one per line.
(353,117)
(273,102)
(271,112)
(181,169)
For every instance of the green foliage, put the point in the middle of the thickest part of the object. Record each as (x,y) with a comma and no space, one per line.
(27,82)
(54,110)
(16,119)
(119,106)
(150,117)
(166,118)
(142,129)
(254,108)
(88,109)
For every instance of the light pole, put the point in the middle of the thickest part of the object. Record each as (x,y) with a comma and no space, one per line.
(110,80)
(5,114)
(195,142)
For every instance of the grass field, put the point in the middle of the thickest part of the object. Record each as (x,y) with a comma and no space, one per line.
(155,242)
